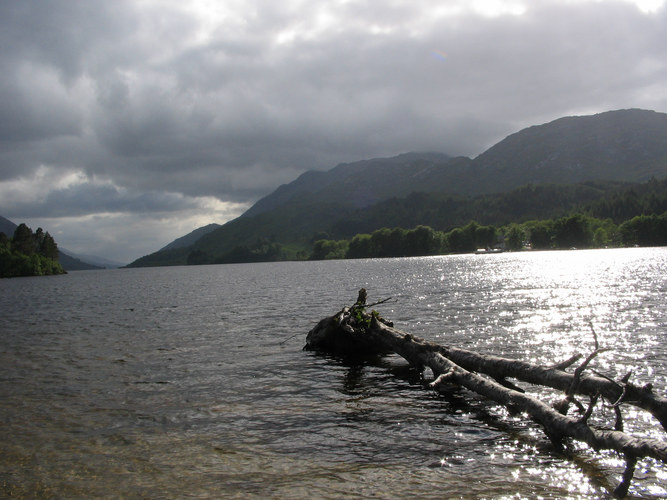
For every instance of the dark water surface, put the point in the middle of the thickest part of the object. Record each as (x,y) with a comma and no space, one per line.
(190,382)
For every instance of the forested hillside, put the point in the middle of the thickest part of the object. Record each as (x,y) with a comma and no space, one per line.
(633,216)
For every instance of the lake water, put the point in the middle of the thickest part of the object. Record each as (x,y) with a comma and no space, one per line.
(191,382)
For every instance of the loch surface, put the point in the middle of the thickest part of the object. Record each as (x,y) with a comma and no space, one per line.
(191,382)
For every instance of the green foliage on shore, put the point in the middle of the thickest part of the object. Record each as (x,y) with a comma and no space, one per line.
(573,231)
(28,254)
(645,230)
(589,215)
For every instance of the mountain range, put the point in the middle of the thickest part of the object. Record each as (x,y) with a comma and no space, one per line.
(590,154)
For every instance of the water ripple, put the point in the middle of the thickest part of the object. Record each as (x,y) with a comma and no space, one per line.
(191,382)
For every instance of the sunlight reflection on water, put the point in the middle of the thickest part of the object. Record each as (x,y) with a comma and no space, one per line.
(542,304)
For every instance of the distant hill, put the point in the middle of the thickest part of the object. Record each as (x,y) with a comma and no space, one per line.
(190,238)
(89,262)
(175,252)
(71,263)
(625,146)
(98,261)
(7,226)
(362,183)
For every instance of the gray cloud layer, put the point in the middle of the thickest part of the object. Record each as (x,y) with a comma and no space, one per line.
(158,107)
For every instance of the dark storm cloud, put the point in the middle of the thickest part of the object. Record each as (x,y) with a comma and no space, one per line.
(231,100)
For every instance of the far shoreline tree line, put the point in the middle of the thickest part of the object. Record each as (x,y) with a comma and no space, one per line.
(573,231)
(36,254)
(28,254)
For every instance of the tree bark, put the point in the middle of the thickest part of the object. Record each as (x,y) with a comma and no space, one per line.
(556,378)
(556,425)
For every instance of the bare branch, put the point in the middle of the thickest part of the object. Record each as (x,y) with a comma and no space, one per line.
(595,335)
(567,363)
(621,490)
(618,425)
(587,414)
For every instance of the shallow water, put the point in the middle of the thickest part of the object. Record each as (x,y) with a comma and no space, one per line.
(191,381)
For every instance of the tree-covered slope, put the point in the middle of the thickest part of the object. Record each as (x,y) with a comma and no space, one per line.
(362,183)
(442,211)
(71,263)
(191,238)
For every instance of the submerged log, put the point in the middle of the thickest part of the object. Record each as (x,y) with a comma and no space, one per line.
(355,332)
(555,377)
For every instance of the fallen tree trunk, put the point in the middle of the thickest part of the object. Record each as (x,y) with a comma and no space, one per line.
(352,331)
(555,377)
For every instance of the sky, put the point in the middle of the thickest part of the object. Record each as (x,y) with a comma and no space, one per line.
(126,124)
